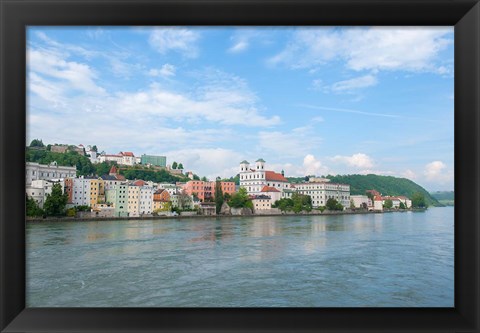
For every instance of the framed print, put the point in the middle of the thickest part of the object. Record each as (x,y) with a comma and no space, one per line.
(239,166)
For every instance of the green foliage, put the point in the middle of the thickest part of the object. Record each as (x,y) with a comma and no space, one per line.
(297,204)
(71,212)
(195,177)
(388,204)
(204,179)
(94,148)
(32,208)
(333,204)
(180,166)
(174,165)
(157,176)
(70,158)
(418,200)
(235,179)
(83,208)
(103,168)
(56,201)
(240,199)
(284,204)
(444,195)
(219,199)
(37,143)
(402,205)
(387,185)
(321,209)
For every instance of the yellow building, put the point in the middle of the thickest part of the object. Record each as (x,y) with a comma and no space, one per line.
(97,192)
(133,200)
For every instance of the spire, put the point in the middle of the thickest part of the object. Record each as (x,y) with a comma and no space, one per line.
(113,171)
(283,173)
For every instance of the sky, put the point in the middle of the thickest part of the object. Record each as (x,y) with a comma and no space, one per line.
(308,100)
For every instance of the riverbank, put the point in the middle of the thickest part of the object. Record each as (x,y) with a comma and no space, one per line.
(165,217)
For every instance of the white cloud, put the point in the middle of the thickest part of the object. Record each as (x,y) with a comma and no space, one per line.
(354,84)
(409,174)
(209,162)
(312,166)
(438,172)
(166,70)
(298,142)
(177,39)
(377,48)
(359,160)
(239,46)
(78,76)
(349,111)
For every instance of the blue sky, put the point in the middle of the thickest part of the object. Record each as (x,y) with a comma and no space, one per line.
(311,100)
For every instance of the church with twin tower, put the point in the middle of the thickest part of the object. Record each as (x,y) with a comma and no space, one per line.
(255,178)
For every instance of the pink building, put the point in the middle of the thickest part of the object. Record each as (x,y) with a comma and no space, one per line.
(205,191)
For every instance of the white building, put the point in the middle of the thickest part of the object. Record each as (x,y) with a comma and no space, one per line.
(360,200)
(94,157)
(39,189)
(123,158)
(378,203)
(36,171)
(146,200)
(81,192)
(256,178)
(261,202)
(272,193)
(321,191)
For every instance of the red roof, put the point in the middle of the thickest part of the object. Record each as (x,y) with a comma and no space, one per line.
(269,189)
(121,177)
(127,153)
(377,198)
(273,176)
(113,169)
(139,183)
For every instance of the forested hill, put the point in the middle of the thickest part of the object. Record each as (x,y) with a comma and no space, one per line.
(387,185)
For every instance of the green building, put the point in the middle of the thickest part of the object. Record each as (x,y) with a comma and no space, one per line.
(118,195)
(160,161)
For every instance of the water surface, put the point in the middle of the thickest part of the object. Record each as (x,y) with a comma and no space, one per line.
(373,260)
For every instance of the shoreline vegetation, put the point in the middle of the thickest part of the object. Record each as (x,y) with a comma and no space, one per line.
(166,217)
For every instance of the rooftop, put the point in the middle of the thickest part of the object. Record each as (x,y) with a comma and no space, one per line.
(273,176)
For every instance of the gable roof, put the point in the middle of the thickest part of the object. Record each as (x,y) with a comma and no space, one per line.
(113,169)
(273,176)
(139,182)
(127,153)
(269,189)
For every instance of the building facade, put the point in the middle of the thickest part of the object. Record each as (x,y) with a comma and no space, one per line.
(52,171)
(320,192)
(254,179)
(160,161)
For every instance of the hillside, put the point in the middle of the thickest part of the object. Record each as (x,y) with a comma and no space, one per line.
(444,197)
(85,167)
(387,185)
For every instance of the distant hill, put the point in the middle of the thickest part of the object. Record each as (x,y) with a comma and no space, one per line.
(387,185)
(444,197)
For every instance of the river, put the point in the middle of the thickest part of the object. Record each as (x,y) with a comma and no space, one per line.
(402,259)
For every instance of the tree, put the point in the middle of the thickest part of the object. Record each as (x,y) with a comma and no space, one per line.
(388,204)
(418,200)
(240,199)
(180,166)
(56,201)
(195,177)
(219,199)
(204,179)
(174,165)
(402,205)
(184,201)
(331,204)
(32,208)
(94,148)
(37,143)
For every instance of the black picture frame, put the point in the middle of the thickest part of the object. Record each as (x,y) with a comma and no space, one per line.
(15,15)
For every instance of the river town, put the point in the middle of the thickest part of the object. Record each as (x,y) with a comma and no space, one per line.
(113,196)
